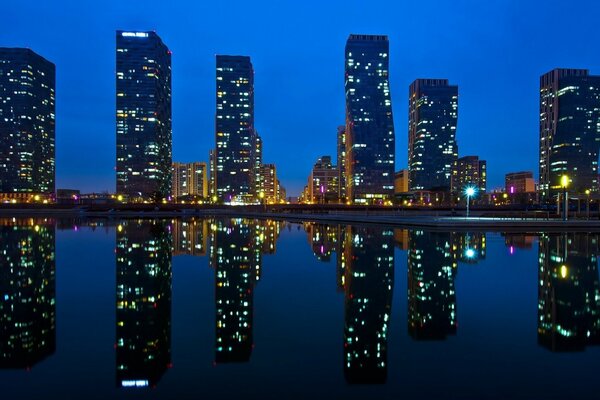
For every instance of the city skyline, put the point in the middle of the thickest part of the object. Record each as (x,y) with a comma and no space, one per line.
(483,32)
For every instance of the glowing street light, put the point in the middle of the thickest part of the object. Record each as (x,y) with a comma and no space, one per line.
(470,191)
(564,182)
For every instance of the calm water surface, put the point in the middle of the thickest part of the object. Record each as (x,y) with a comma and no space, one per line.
(238,308)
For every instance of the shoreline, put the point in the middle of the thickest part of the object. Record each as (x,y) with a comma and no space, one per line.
(394,219)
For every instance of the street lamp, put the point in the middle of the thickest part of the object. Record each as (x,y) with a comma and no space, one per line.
(469,192)
(587,209)
(262,199)
(564,182)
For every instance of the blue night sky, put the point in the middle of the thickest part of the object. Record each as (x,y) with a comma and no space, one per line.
(494,50)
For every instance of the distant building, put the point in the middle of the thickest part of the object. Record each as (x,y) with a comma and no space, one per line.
(370,138)
(68,196)
(432,147)
(323,182)
(27,122)
(269,183)
(190,180)
(143,116)
(235,135)
(341,162)
(401,181)
(469,171)
(569,131)
(519,182)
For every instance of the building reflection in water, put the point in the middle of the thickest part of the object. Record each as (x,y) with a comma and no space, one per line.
(27,292)
(568,293)
(432,269)
(368,281)
(143,301)
(236,250)
(190,237)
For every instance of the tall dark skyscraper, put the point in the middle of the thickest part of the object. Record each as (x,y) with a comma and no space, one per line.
(235,135)
(27,288)
(569,130)
(370,139)
(27,122)
(432,119)
(143,302)
(143,116)
(341,162)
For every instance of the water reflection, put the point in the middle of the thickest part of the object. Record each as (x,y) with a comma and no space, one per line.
(368,283)
(143,302)
(569,292)
(27,292)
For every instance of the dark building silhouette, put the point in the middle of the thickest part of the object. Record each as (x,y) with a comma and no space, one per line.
(370,138)
(143,302)
(237,147)
(432,147)
(27,122)
(368,284)
(431,294)
(568,291)
(569,131)
(144,155)
(341,162)
(27,293)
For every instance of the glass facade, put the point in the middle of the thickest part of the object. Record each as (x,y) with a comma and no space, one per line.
(236,142)
(569,131)
(370,139)
(27,122)
(432,147)
(144,132)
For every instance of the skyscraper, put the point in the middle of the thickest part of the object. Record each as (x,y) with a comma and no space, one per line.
(190,180)
(341,162)
(235,134)
(468,171)
(370,148)
(143,116)
(432,148)
(27,122)
(569,130)
(323,182)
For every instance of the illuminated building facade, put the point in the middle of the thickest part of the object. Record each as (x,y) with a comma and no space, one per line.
(323,182)
(269,184)
(341,162)
(189,180)
(368,284)
(190,237)
(370,139)
(569,291)
(27,122)
(468,171)
(143,116)
(28,292)
(235,134)
(569,131)
(431,294)
(432,147)
(401,181)
(143,302)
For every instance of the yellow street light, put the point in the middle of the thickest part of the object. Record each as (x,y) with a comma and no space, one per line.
(564,181)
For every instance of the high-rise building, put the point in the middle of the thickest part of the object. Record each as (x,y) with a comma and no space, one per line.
(189,180)
(143,313)
(401,181)
(143,116)
(212,168)
(432,147)
(267,175)
(235,135)
(370,139)
(341,162)
(27,122)
(468,171)
(569,131)
(323,182)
